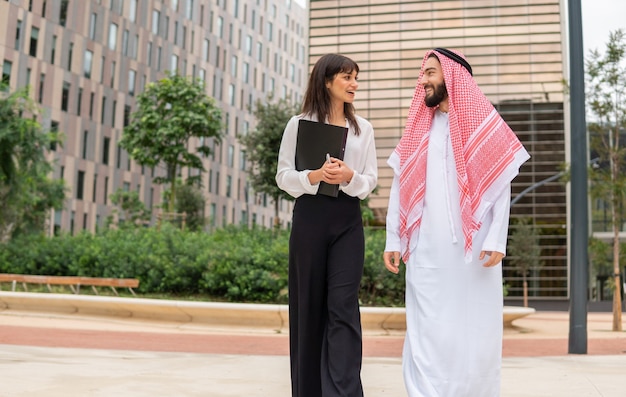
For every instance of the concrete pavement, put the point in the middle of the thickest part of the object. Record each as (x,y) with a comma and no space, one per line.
(56,353)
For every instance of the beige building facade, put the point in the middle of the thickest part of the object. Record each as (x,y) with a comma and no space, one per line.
(518,54)
(87,60)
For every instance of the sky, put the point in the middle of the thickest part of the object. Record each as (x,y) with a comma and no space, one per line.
(599,18)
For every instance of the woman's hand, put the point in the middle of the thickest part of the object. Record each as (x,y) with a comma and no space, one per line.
(336,172)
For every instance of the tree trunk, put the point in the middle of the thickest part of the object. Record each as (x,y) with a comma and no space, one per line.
(276,213)
(617,295)
(525,288)
(170,207)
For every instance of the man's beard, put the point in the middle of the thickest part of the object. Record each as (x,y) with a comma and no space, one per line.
(440,92)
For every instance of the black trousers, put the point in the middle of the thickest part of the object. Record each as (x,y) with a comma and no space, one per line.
(326,255)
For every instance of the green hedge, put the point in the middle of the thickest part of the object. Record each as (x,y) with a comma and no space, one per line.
(230,264)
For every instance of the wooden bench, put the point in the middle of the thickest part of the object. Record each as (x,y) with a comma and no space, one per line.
(74,282)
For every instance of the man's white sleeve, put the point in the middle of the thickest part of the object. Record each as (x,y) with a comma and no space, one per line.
(498,230)
(393,218)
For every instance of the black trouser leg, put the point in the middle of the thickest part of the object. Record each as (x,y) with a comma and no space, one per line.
(342,347)
(307,312)
(325,269)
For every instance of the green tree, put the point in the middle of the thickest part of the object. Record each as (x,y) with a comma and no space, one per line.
(524,252)
(27,192)
(606,85)
(262,146)
(131,211)
(191,201)
(169,113)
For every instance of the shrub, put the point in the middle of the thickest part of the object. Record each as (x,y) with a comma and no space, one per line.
(235,264)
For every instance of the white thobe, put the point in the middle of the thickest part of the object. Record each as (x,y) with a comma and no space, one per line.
(453,344)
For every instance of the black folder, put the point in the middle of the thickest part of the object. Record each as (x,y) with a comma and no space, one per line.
(314,141)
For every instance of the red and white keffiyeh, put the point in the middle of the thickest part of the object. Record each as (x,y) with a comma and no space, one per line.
(486,151)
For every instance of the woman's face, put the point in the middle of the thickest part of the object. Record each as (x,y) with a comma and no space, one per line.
(343,87)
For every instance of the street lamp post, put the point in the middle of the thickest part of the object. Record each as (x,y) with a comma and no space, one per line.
(579,238)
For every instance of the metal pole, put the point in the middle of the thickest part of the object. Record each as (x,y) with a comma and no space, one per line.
(579,275)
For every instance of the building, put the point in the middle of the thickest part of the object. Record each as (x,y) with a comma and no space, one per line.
(87,60)
(517,51)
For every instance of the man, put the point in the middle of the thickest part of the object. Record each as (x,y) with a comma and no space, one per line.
(448,220)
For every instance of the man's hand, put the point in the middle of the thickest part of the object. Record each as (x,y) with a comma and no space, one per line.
(392,261)
(495,257)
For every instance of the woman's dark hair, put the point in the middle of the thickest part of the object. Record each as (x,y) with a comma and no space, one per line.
(317,99)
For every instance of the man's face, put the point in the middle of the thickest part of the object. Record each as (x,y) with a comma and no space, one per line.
(433,83)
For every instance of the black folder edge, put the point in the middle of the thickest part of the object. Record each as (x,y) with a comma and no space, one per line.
(325,142)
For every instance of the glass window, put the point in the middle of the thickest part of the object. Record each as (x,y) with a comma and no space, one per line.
(131,82)
(34,37)
(54,128)
(87,63)
(205,49)
(106,189)
(231,155)
(85,144)
(149,54)
(242,160)
(18,35)
(126,115)
(63,12)
(220,27)
(6,73)
(95,186)
(79,101)
(134,46)
(231,94)
(245,72)
(133,10)
(125,42)
(65,96)
(156,15)
(113,71)
(80,185)
(92,99)
(105,150)
(42,78)
(92,25)
(103,110)
(248,45)
(70,53)
(189,10)
(113,113)
(233,65)
(174,63)
(113,36)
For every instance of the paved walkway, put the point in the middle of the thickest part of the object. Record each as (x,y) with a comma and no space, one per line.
(54,354)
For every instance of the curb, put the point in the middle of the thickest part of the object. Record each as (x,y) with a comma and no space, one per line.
(217,314)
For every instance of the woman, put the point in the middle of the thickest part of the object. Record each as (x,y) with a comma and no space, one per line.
(326,247)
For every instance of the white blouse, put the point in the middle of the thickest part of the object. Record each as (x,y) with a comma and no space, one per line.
(360,156)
